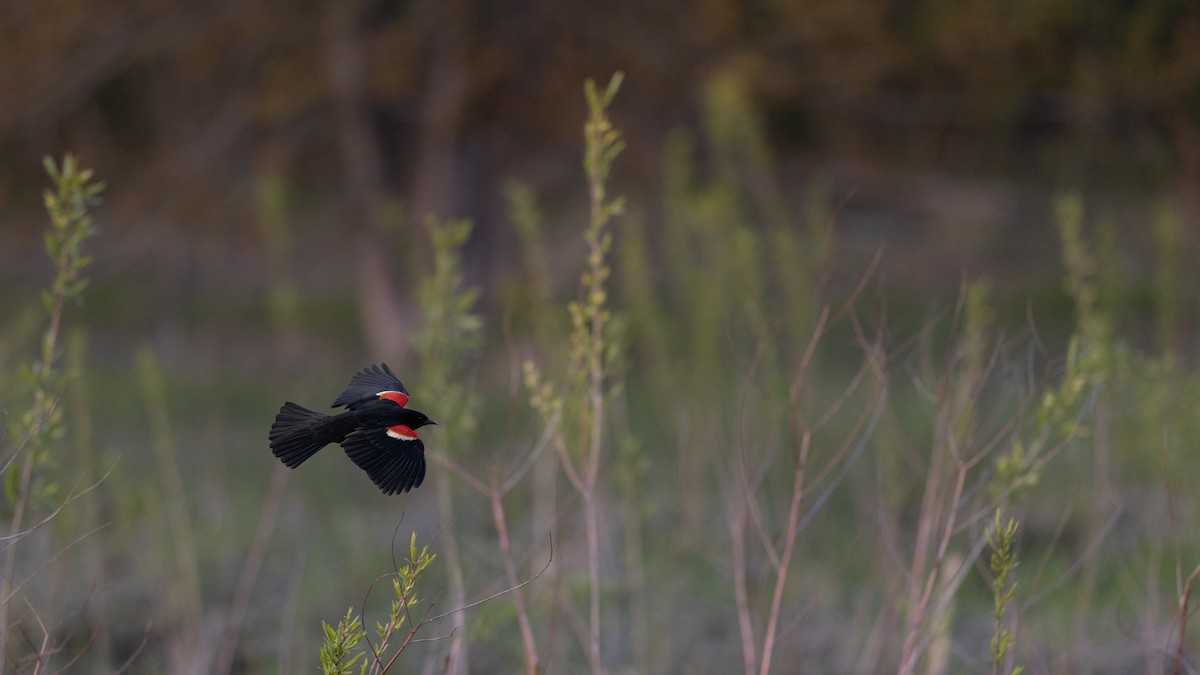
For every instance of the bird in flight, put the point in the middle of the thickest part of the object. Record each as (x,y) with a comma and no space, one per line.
(377,431)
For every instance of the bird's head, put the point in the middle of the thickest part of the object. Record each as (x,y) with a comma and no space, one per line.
(416,419)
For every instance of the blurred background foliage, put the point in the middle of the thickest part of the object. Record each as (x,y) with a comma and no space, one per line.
(953,124)
(937,251)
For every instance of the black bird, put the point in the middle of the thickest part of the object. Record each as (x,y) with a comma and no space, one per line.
(377,431)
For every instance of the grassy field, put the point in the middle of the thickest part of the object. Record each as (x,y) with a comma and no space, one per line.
(722,447)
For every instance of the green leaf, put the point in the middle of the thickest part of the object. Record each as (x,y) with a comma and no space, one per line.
(51,169)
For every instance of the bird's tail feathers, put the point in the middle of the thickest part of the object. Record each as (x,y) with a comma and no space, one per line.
(298,433)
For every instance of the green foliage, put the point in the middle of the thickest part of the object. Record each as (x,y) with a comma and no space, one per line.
(1090,362)
(975,343)
(451,327)
(70,226)
(663,427)
(738,271)
(602,144)
(543,397)
(404,600)
(1093,325)
(1015,470)
(341,649)
(27,475)
(593,351)
(592,357)
(1059,419)
(1002,562)
(590,315)
(452,331)
(338,653)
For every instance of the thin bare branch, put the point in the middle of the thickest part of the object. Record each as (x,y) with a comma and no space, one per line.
(48,561)
(136,652)
(1185,612)
(547,435)
(768,649)
(458,470)
(527,642)
(493,596)
(72,496)
(250,569)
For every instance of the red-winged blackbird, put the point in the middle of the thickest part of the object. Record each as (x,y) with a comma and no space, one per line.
(377,431)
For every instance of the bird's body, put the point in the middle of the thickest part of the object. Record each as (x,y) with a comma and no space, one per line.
(377,431)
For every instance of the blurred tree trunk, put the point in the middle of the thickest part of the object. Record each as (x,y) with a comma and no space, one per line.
(384,327)
(441,115)
(1186,136)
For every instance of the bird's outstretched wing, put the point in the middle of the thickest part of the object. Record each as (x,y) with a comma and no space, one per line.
(368,384)
(393,457)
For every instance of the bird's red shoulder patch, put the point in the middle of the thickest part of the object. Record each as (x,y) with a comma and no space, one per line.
(402,432)
(398,397)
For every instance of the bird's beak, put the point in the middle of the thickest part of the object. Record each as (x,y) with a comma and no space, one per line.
(427,422)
